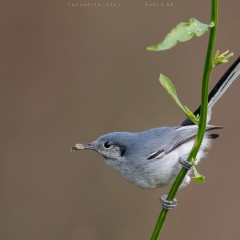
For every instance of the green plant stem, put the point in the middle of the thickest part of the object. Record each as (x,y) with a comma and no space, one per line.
(202,121)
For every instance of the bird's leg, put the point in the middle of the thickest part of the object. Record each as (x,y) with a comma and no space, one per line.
(171,204)
(166,203)
(184,162)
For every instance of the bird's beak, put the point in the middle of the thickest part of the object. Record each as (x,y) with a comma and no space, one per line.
(89,146)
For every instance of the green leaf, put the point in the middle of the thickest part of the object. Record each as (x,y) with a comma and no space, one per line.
(183,32)
(169,87)
(191,115)
(197,176)
(167,84)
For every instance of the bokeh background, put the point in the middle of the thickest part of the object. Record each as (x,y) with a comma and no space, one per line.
(70,74)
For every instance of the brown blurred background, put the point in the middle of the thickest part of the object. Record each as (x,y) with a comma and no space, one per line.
(70,74)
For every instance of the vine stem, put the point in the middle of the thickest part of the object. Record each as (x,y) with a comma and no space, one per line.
(202,120)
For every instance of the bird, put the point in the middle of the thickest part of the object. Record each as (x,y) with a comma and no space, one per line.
(153,158)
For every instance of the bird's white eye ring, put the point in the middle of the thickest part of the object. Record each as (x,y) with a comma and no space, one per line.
(107,144)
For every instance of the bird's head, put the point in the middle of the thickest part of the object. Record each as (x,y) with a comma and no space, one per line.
(111,146)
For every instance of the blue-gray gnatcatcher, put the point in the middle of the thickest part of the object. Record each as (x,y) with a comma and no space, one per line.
(153,158)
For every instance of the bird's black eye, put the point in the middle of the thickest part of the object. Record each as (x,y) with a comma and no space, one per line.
(107,144)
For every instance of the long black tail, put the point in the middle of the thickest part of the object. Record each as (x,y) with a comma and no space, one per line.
(220,88)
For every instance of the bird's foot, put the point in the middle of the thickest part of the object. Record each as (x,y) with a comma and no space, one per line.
(166,203)
(185,163)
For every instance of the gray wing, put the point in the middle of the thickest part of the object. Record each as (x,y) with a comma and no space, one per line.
(177,137)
